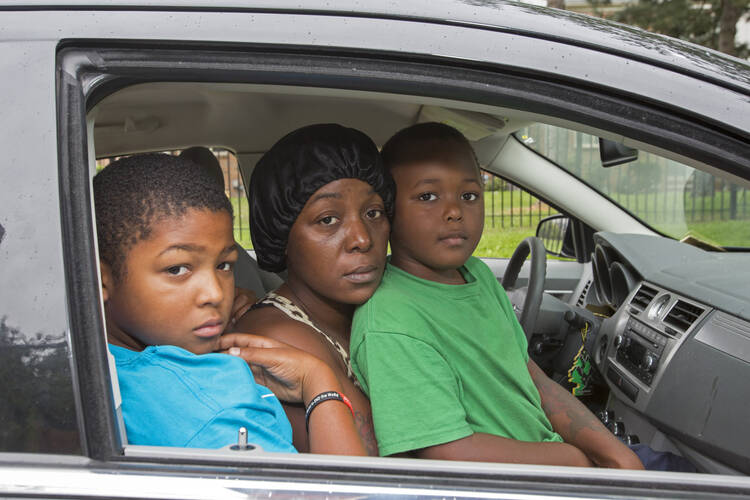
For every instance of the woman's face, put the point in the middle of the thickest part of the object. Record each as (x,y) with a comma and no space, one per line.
(337,245)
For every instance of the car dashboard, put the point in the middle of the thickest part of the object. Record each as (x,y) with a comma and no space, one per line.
(675,351)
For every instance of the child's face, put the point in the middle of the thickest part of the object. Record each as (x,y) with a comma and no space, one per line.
(439,217)
(177,287)
(337,244)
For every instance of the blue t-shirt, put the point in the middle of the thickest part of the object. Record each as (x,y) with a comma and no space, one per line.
(172,397)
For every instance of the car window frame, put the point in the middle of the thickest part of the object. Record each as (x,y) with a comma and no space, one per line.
(88,72)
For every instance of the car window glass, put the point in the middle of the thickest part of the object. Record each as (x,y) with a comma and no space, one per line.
(510,214)
(671,197)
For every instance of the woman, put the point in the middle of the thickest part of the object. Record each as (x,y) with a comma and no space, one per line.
(319,208)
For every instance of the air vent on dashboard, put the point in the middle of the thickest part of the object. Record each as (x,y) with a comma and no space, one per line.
(682,316)
(642,298)
(584,292)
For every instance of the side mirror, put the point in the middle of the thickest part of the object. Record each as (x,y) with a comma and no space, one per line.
(555,232)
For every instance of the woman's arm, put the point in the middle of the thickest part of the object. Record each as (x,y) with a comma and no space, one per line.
(296,376)
(268,323)
(326,434)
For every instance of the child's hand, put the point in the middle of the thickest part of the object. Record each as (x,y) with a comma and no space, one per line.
(293,375)
(243,301)
(617,457)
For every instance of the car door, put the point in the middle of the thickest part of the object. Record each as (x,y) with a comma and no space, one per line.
(82,55)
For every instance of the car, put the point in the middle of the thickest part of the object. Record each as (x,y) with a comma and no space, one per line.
(639,144)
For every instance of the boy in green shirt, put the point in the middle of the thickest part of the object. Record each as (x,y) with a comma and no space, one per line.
(438,348)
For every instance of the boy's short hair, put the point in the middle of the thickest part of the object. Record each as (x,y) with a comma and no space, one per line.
(427,142)
(130,194)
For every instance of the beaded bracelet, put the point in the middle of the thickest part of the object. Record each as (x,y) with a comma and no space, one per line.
(325,396)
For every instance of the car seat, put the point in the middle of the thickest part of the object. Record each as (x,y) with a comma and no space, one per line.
(247,274)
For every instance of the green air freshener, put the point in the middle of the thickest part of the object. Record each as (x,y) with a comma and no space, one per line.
(580,373)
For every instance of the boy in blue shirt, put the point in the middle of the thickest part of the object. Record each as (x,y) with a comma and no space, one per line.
(438,349)
(167,250)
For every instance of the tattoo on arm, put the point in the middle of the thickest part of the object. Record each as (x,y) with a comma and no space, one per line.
(556,402)
(366,432)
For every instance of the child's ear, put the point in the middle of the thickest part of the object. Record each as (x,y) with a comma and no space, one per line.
(107,280)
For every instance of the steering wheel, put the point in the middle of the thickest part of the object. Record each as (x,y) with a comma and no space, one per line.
(534,291)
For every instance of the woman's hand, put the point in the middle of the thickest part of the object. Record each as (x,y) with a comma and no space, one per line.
(243,301)
(293,375)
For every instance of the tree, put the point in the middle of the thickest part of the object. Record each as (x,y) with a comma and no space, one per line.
(711,23)
(38,415)
(556,4)
(731,12)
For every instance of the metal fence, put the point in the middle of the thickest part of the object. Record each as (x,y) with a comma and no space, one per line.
(664,196)
(703,198)
(233,186)
(235,189)
(656,189)
(510,206)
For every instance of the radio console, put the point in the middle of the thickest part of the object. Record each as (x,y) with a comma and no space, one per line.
(639,349)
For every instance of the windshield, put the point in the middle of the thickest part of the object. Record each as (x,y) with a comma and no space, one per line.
(672,198)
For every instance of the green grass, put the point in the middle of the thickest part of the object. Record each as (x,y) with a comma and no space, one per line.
(500,242)
(516,215)
(241,222)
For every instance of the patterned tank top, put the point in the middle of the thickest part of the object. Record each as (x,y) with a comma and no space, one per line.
(293,311)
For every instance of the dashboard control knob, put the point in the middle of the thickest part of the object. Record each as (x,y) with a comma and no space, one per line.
(606,416)
(617,428)
(574,319)
(537,347)
(631,439)
(618,341)
(649,362)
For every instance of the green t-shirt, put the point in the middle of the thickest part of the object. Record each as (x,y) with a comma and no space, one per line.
(441,362)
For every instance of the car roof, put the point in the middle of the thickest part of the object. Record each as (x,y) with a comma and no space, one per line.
(511,17)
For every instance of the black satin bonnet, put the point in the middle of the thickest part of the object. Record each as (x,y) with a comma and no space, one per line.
(297,166)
